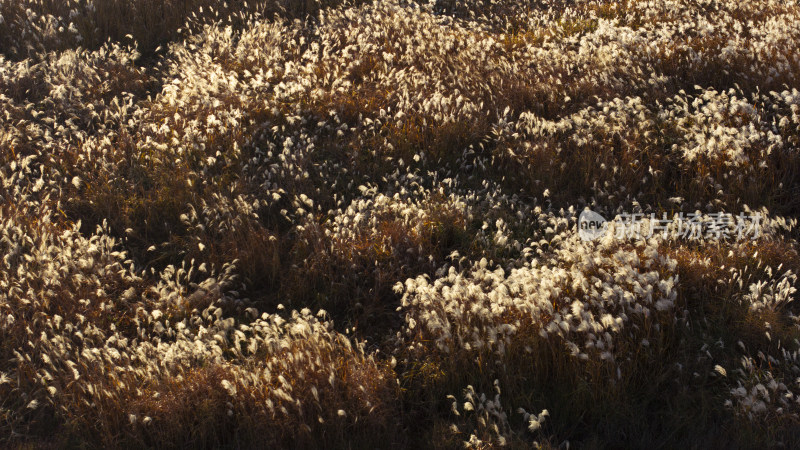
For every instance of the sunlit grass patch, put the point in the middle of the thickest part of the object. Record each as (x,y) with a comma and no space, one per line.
(183,191)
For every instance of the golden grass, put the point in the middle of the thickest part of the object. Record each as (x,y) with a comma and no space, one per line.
(274,164)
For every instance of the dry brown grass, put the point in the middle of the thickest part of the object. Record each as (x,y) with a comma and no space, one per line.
(298,197)
(156,22)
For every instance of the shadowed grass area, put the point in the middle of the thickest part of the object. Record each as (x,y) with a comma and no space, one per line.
(34,26)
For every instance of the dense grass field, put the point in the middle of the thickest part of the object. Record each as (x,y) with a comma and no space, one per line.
(325,224)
